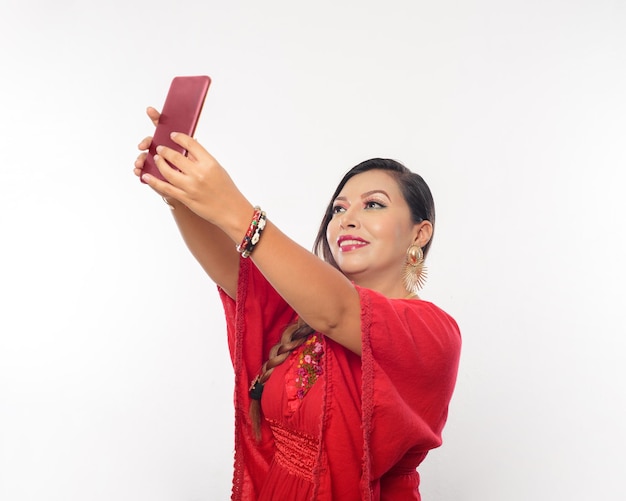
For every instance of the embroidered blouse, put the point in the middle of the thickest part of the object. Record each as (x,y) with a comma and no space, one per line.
(336,425)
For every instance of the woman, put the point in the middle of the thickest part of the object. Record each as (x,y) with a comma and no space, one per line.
(342,374)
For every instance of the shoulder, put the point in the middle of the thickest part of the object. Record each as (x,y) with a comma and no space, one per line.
(413,320)
(377,304)
(431,314)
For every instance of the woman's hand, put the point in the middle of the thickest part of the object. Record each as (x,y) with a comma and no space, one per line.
(200,183)
(214,250)
(143,146)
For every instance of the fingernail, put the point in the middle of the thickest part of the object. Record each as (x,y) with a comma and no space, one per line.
(146,177)
(173,134)
(156,158)
(159,148)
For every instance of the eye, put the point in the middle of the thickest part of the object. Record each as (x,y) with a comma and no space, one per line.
(373,204)
(337,209)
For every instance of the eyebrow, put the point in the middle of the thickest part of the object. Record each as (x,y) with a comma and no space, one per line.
(367,194)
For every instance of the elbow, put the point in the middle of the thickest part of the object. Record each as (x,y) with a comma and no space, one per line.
(343,324)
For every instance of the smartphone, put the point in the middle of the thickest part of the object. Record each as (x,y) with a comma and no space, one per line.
(180,113)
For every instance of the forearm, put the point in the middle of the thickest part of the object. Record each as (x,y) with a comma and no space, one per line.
(319,293)
(211,247)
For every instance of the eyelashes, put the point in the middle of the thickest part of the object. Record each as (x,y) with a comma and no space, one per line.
(374,204)
(368,204)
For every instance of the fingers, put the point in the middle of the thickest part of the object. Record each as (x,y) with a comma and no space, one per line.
(194,148)
(139,163)
(175,158)
(153,115)
(163,188)
(144,144)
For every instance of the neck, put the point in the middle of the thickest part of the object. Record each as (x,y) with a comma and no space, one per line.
(394,290)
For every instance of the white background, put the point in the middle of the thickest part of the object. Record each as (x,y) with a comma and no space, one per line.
(115,380)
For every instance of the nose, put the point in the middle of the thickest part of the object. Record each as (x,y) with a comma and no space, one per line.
(349,219)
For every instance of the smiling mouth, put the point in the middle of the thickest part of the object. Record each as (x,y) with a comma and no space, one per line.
(351,244)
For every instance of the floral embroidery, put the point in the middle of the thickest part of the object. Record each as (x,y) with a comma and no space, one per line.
(309,366)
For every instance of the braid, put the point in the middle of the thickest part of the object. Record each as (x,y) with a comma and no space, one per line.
(293,336)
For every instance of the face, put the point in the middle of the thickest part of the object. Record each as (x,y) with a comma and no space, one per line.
(371,230)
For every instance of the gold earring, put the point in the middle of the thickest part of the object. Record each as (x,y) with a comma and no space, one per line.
(414,274)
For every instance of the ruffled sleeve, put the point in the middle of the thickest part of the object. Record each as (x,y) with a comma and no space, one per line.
(410,356)
(254,323)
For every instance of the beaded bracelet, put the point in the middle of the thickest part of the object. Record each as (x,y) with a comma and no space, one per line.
(248,236)
(245,242)
(253,234)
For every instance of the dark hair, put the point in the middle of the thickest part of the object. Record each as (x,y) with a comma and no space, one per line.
(412,186)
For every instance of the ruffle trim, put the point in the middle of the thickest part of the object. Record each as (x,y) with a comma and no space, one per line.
(367,392)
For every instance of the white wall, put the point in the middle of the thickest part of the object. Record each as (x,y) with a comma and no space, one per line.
(115,382)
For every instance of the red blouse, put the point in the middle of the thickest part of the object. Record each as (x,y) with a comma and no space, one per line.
(336,425)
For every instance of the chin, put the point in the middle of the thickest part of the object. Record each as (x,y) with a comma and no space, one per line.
(351,271)
(351,265)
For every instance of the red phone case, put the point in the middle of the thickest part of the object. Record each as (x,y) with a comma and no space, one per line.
(180,113)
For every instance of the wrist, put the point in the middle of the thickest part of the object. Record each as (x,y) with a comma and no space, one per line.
(253,233)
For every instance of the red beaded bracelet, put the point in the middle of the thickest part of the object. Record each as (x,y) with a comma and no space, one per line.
(255,219)
(252,236)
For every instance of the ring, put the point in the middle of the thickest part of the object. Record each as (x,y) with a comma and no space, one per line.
(168,203)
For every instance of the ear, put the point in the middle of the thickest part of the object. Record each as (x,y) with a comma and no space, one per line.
(423,232)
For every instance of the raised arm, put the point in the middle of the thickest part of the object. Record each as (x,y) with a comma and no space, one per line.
(212,248)
(319,293)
